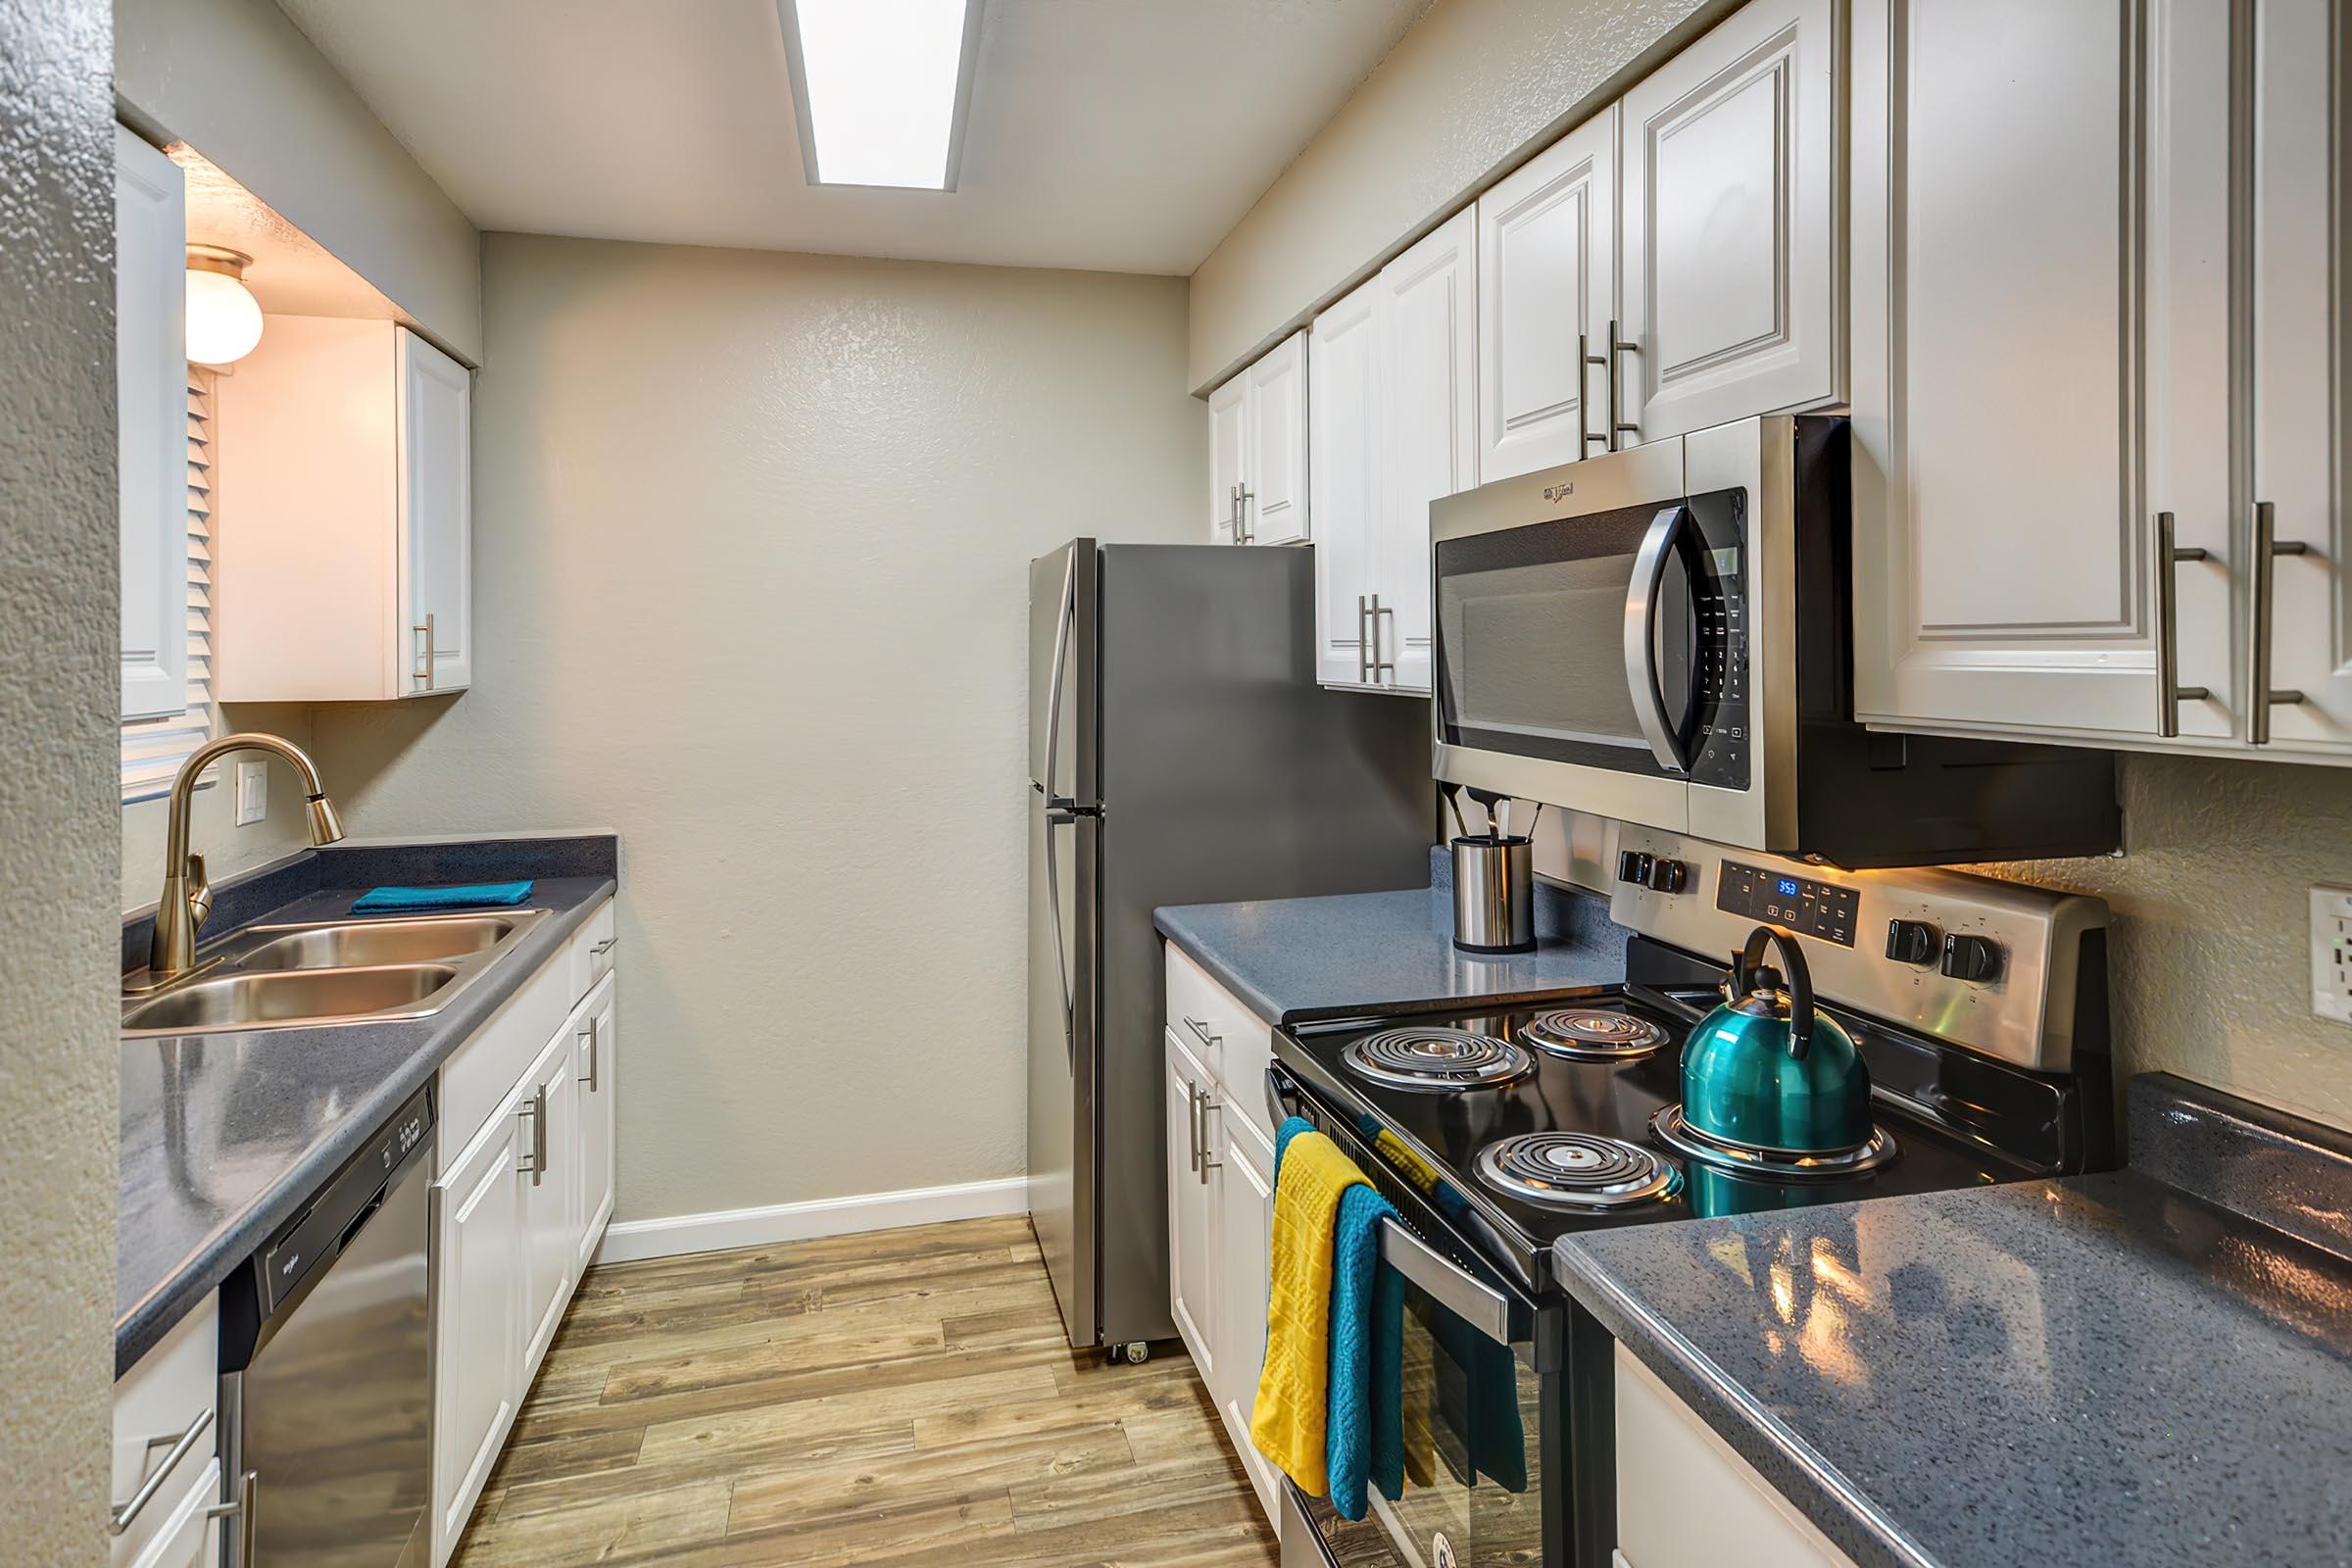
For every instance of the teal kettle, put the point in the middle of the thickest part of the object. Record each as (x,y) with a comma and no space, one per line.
(1766,1070)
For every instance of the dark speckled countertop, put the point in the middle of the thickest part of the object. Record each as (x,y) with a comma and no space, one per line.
(225,1135)
(1296,958)
(2148,1367)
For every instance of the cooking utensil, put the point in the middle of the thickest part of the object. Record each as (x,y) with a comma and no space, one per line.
(1766,1070)
(1490,799)
(1454,799)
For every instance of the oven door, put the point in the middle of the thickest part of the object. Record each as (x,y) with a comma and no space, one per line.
(1482,1401)
(1593,637)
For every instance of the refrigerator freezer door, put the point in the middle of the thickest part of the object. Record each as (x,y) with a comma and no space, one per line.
(1062,626)
(1062,856)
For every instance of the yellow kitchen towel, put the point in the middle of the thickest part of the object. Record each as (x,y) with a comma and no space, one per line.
(1290,1424)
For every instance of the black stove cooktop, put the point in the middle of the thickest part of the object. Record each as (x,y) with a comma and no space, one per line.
(1957,1120)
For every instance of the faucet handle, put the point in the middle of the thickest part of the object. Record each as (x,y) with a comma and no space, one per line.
(200,891)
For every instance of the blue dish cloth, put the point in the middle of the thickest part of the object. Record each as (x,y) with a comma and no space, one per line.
(1364,1422)
(476,895)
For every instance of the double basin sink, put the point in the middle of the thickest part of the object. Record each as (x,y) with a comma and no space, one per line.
(326,972)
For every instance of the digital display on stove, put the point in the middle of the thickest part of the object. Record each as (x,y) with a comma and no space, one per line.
(1800,904)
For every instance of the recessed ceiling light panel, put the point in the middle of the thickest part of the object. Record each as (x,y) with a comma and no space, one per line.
(881,88)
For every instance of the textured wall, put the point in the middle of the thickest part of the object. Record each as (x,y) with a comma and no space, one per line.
(227,848)
(1475,87)
(59,595)
(751,545)
(2210,951)
(240,83)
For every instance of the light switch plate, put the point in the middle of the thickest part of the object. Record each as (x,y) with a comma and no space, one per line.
(253,792)
(2332,954)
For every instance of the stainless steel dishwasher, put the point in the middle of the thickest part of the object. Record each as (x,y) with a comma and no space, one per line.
(326,1379)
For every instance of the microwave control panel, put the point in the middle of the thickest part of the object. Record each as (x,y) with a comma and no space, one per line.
(1718,575)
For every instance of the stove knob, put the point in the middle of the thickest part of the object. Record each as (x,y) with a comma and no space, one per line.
(1633,866)
(1976,959)
(1668,877)
(1911,942)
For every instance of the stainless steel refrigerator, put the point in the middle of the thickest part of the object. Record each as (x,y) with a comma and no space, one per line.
(1180,751)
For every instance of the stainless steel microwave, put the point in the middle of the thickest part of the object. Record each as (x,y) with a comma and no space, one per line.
(1662,635)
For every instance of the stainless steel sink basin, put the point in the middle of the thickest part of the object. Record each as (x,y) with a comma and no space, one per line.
(316,973)
(288,997)
(370,941)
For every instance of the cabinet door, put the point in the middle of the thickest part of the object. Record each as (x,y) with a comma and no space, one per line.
(1344,459)
(550,1191)
(2302,69)
(1228,457)
(1731,249)
(189,1538)
(1192,1256)
(1546,274)
(1246,1243)
(437,516)
(595,1058)
(1999,558)
(1275,477)
(151,388)
(478,1306)
(1428,432)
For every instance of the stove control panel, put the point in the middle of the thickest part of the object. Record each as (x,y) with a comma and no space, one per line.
(1988,964)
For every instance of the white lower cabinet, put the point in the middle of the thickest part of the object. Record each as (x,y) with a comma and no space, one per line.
(521,1197)
(1687,1499)
(1220,1172)
(172,1395)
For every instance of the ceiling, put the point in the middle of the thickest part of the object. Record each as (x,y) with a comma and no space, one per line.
(1119,135)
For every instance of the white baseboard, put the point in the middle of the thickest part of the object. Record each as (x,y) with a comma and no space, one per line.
(627,1241)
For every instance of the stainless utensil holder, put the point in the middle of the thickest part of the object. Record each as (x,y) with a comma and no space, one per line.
(1493,893)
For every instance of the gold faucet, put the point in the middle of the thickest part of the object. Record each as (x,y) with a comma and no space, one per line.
(187,896)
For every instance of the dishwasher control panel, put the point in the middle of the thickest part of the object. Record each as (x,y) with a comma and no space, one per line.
(316,1235)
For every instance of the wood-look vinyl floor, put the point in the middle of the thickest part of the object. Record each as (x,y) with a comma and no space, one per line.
(903,1396)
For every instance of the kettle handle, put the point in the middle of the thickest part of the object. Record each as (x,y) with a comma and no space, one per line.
(1800,982)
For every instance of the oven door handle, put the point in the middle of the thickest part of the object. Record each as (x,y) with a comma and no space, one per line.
(1446,1282)
(1641,597)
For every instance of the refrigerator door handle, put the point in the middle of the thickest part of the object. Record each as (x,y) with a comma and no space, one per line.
(1062,661)
(1058,818)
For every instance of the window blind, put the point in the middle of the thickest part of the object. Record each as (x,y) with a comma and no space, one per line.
(154,748)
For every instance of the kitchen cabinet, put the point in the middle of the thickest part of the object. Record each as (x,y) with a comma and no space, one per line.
(596,1058)
(1192,1208)
(1258,482)
(1732,262)
(523,1192)
(1687,1499)
(1547,303)
(1396,427)
(151,434)
(2072,198)
(1220,1174)
(166,1432)
(348,573)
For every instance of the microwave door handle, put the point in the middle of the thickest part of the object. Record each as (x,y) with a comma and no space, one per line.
(1641,599)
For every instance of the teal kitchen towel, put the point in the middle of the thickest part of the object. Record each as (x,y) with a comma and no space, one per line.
(473,896)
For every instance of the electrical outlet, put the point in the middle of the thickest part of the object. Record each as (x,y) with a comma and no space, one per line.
(253,792)
(2332,954)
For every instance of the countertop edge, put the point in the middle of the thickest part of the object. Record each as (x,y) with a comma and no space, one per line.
(141,1326)
(1813,1486)
(1192,947)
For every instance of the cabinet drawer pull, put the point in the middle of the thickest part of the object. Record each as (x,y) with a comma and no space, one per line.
(241,1511)
(536,1107)
(589,1034)
(1208,1161)
(2268,548)
(1208,1039)
(1617,424)
(1585,359)
(2169,693)
(1192,1122)
(1383,670)
(604,946)
(119,1518)
(424,674)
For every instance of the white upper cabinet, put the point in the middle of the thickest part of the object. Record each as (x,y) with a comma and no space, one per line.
(1732,264)
(345,569)
(1428,432)
(2302,70)
(1344,358)
(2001,544)
(151,384)
(1274,480)
(1228,439)
(1546,297)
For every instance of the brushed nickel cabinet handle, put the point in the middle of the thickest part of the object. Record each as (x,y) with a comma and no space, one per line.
(1208,1161)
(1192,1122)
(242,1511)
(589,1034)
(2268,548)
(536,1107)
(424,673)
(119,1517)
(1585,359)
(1209,1039)
(2169,693)
(1383,670)
(1243,496)
(1617,424)
(604,946)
